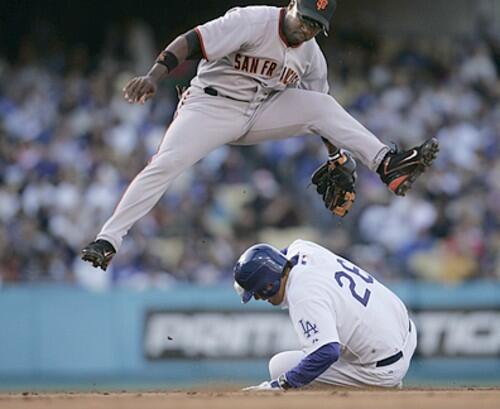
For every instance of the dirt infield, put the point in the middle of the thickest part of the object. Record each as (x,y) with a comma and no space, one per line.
(407,399)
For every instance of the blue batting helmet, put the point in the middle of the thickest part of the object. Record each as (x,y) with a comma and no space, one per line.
(259,271)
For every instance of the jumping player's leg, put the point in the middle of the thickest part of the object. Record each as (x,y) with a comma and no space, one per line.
(299,112)
(193,134)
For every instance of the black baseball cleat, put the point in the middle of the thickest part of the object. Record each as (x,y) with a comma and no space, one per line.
(99,253)
(399,170)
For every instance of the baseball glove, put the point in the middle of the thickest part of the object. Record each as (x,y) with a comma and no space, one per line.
(334,181)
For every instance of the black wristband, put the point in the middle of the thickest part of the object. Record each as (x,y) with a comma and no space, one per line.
(168,59)
(332,157)
(283,382)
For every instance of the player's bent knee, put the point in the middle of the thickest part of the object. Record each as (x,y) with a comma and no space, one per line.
(283,362)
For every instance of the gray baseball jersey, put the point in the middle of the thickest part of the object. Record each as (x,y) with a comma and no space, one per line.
(255,59)
(251,87)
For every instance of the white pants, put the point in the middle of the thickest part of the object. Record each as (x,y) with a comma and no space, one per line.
(346,373)
(204,123)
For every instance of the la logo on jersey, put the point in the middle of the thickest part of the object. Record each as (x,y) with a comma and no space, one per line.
(308,328)
(321,4)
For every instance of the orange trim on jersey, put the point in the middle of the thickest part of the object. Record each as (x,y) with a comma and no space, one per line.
(200,38)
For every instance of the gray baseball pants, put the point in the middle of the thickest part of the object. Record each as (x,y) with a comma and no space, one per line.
(204,122)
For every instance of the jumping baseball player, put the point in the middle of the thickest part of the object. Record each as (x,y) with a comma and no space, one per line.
(353,331)
(262,76)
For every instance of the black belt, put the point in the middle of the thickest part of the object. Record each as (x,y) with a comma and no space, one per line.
(390,360)
(214,93)
(394,358)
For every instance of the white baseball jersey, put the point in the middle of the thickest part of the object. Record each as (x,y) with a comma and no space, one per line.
(246,56)
(332,300)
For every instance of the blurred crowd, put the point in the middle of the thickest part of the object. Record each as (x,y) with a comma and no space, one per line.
(70,144)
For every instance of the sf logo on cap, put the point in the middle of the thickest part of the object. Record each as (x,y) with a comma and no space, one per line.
(321,4)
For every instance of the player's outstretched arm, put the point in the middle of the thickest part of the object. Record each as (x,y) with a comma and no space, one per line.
(186,46)
(312,366)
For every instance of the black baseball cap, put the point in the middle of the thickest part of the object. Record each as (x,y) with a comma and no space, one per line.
(318,10)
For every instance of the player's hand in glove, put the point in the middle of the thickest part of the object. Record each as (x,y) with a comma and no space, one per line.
(335,180)
(280,384)
(264,386)
(139,89)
